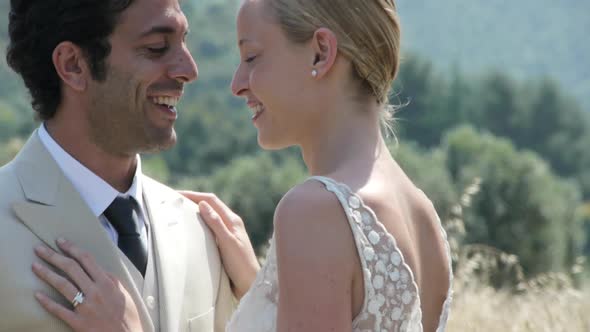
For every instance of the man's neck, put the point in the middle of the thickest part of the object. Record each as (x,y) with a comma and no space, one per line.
(116,170)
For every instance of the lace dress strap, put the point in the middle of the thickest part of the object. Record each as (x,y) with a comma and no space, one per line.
(374,246)
(391,301)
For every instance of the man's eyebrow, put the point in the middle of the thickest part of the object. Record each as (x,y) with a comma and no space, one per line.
(161,29)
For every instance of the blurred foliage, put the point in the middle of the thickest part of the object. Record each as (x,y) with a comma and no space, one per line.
(428,171)
(534,115)
(527,140)
(522,208)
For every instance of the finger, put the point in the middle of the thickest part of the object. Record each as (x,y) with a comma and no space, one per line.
(218,205)
(69,266)
(84,258)
(61,284)
(194,196)
(57,310)
(228,217)
(112,278)
(213,220)
(118,284)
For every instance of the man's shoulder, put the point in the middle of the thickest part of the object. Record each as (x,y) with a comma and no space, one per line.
(8,178)
(11,191)
(153,187)
(7,169)
(154,184)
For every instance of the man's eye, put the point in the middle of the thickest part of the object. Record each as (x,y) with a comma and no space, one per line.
(250,59)
(158,50)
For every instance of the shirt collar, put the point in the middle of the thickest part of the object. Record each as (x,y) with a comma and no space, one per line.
(96,192)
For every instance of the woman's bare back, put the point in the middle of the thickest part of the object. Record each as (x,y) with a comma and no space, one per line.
(410,217)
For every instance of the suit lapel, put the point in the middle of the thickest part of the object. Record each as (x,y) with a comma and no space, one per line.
(167,220)
(55,209)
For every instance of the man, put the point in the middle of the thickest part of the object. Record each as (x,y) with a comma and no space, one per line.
(105,77)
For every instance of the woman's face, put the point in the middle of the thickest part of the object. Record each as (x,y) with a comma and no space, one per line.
(274,76)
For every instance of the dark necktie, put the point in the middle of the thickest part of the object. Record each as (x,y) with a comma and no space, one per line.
(122,214)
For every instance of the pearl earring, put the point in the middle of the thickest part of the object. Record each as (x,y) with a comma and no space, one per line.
(314,73)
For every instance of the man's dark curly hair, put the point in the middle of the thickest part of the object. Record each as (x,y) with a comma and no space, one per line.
(36,27)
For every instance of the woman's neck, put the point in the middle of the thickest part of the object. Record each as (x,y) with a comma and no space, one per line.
(350,138)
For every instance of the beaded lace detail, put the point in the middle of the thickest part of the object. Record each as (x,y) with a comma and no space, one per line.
(391,301)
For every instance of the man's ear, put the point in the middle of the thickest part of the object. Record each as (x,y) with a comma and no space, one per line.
(325,47)
(71,66)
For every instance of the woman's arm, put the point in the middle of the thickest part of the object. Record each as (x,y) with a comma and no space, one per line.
(237,254)
(316,258)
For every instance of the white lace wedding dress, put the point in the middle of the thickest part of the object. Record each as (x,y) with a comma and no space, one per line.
(391,301)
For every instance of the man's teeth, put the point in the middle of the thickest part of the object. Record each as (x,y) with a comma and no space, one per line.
(258,108)
(166,101)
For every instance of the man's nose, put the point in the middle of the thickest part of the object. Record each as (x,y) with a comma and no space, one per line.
(185,68)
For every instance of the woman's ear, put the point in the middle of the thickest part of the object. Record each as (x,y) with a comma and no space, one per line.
(325,47)
(71,66)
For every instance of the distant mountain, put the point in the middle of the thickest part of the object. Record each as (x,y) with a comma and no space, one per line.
(526,38)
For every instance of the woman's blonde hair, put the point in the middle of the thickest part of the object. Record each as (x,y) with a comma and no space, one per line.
(368,33)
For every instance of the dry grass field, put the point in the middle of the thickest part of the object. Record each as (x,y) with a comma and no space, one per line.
(547,303)
(551,310)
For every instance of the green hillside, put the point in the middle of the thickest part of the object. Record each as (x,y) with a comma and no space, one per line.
(526,38)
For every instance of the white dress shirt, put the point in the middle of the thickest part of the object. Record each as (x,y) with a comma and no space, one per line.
(96,192)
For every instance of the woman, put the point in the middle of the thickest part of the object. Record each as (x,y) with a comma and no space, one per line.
(356,247)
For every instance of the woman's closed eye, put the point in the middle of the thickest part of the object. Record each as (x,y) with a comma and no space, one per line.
(250,59)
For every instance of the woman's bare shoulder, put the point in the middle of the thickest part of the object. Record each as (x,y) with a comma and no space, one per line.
(311,224)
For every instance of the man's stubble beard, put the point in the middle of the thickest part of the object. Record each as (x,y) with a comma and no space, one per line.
(119,126)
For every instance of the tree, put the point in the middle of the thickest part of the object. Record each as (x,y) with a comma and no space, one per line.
(420,93)
(522,207)
(428,171)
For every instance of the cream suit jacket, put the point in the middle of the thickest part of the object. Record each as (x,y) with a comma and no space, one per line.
(38,205)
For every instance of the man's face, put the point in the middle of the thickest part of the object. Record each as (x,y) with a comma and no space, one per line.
(134,109)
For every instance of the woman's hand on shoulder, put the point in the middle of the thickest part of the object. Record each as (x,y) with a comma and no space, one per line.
(316,261)
(237,254)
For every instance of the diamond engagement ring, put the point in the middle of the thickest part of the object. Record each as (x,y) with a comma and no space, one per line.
(78,299)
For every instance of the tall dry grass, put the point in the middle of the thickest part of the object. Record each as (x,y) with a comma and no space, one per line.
(547,303)
(484,308)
